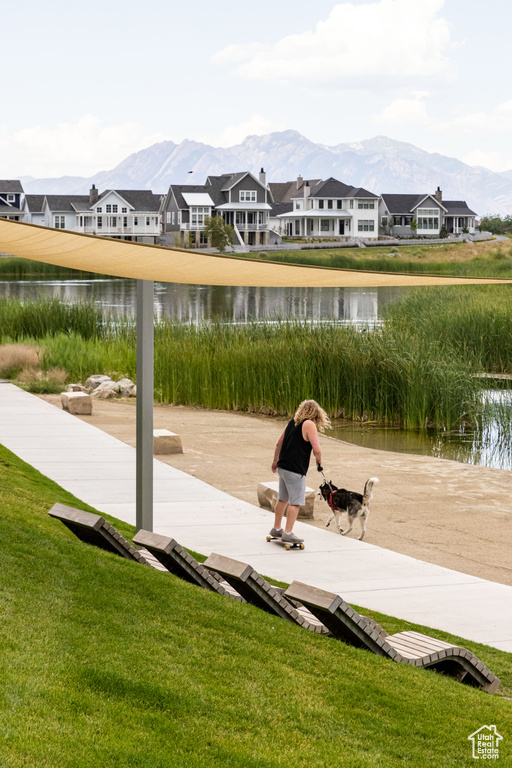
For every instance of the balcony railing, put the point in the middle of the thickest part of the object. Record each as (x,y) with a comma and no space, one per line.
(152,230)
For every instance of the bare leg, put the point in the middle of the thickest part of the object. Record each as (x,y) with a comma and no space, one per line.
(291,516)
(279,511)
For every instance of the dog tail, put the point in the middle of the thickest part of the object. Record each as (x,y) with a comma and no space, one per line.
(367,493)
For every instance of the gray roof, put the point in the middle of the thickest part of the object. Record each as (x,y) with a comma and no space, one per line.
(67,202)
(458,208)
(34,203)
(10,187)
(333,188)
(402,203)
(216,186)
(405,204)
(9,210)
(279,208)
(284,192)
(139,199)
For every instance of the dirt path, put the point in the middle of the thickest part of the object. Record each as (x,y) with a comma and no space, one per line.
(451,514)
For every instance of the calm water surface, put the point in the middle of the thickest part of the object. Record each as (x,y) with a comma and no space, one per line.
(490,444)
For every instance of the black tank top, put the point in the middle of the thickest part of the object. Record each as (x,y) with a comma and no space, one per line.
(295,451)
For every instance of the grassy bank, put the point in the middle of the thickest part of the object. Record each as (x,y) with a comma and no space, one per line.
(108,663)
(486,259)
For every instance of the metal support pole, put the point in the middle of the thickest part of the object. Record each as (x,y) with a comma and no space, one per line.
(145,386)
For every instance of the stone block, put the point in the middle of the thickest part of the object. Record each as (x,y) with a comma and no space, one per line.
(165,442)
(267,497)
(78,403)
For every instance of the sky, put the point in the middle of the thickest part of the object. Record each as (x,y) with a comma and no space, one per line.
(86,85)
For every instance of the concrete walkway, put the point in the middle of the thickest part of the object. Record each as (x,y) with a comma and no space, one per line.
(100,470)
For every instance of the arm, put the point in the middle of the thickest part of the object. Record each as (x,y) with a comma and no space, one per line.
(310,432)
(276,453)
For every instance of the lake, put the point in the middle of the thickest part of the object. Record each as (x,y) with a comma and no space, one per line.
(490,444)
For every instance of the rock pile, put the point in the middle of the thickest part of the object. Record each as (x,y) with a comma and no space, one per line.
(103,387)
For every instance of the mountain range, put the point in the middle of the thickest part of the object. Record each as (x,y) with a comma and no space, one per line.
(381,165)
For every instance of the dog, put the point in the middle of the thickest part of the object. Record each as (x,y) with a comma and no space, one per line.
(354,504)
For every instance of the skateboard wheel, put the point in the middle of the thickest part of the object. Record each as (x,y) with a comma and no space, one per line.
(269,538)
(287,546)
(302,546)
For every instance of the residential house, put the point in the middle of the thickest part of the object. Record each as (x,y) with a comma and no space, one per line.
(11,200)
(122,214)
(427,214)
(240,198)
(330,210)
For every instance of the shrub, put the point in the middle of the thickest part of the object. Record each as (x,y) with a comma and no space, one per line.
(17,357)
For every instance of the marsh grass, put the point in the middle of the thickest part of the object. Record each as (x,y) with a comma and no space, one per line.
(392,375)
(18,269)
(471,322)
(109,663)
(41,318)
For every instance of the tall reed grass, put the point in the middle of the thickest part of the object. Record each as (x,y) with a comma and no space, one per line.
(391,375)
(49,317)
(471,322)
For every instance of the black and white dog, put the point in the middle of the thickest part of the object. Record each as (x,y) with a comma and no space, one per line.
(356,506)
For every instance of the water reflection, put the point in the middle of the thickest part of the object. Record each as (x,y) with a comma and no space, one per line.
(489,444)
(200,303)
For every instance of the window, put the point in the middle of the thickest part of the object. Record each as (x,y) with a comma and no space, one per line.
(297,226)
(298,205)
(60,222)
(100,222)
(168,217)
(365,204)
(114,221)
(351,203)
(198,214)
(428,218)
(99,210)
(172,222)
(114,209)
(124,210)
(321,203)
(339,204)
(11,198)
(247,196)
(329,203)
(325,225)
(365,225)
(147,221)
(108,208)
(135,221)
(125,221)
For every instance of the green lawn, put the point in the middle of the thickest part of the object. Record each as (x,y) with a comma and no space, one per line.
(106,663)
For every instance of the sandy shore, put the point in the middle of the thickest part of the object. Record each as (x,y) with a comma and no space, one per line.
(455,515)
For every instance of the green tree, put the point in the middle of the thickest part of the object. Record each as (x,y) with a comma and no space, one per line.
(496,224)
(220,234)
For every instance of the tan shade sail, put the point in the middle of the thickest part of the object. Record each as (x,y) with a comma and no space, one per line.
(122,258)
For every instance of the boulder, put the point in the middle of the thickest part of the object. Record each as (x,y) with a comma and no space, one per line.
(106,390)
(126,387)
(76,388)
(94,381)
(267,497)
(78,403)
(165,442)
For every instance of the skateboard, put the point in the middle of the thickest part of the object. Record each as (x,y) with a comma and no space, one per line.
(287,544)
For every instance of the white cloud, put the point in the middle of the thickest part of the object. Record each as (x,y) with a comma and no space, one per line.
(392,40)
(404,112)
(257,125)
(487,159)
(79,149)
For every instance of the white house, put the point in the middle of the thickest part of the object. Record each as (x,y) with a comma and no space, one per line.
(123,214)
(330,210)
